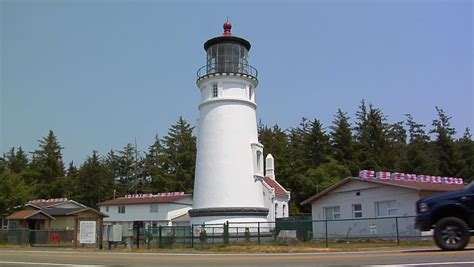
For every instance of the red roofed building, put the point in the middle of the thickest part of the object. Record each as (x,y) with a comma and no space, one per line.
(276,198)
(381,199)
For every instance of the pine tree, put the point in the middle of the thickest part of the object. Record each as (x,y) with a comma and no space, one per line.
(47,162)
(465,149)
(317,144)
(95,181)
(17,162)
(444,144)
(341,139)
(71,182)
(371,137)
(155,170)
(180,155)
(417,157)
(275,141)
(13,192)
(395,144)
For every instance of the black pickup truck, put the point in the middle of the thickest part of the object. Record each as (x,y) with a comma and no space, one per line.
(451,215)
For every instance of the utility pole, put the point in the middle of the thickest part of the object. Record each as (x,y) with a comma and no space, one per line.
(135,165)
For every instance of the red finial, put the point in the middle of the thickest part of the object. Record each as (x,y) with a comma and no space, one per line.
(227,27)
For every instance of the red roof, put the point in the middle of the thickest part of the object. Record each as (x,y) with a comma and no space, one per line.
(429,187)
(48,202)
(25,214)
(146,199)
(279,190)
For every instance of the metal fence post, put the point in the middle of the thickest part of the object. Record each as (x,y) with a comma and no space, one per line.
(192,235)
(258,231)
(398,234)
(148,235)
(326,223)
(160,244)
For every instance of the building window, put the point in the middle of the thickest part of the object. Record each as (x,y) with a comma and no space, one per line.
(259,161)
(357,211)
(283,210)
(276,209)
(215,92)
(121,209)
(386,208)
(250,92)
(106,208)
(154,208)
(332,213)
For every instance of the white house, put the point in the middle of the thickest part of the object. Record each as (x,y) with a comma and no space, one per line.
(147,210)
(276,197)
(371,206)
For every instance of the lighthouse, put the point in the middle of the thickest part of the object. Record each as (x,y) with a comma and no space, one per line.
(229,160)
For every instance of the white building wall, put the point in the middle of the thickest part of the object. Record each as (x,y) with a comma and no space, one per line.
(141,212)
(369,193)
(270,199)
(282,210)
(268,196)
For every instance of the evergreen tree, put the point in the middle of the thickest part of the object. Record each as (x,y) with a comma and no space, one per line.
(13,192)
(317,144)
(3,163)
(444,144)
(417,157)
(72,182)
(341,139)
(48,164)
(180,155)
(95,181)
(416,131)
(17,161)
(275,141)
(465,148)
(395,144)
(155,170)
(371,137)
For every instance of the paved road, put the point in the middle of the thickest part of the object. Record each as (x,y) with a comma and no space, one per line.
(16,258)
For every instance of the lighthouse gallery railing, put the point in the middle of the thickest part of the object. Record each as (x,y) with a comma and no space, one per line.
(227,67)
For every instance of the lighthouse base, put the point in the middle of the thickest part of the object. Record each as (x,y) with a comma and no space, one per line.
(240,215)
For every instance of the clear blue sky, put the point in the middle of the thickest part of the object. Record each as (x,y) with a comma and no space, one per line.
(101,73)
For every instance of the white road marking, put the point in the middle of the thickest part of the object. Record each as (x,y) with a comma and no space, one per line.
(425,264)
(47,263)
(218,254)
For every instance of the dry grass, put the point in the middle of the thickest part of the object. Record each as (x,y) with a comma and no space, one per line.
(306,247)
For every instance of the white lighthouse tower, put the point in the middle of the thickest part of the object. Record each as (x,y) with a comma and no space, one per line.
(229,161)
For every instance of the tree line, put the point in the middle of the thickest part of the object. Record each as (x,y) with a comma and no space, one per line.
(308,158)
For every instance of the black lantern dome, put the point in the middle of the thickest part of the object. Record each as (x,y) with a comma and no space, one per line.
(227,54)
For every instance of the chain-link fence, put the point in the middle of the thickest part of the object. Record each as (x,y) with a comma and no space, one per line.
(59,237)
(388,230)
(14,236)
(287,231)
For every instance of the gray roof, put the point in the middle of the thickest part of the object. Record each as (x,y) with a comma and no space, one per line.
(60,211)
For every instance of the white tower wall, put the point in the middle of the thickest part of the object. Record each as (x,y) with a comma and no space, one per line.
(227,172)
(227,128)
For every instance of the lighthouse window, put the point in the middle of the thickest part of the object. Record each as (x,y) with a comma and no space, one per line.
(215,93)
(250,92)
